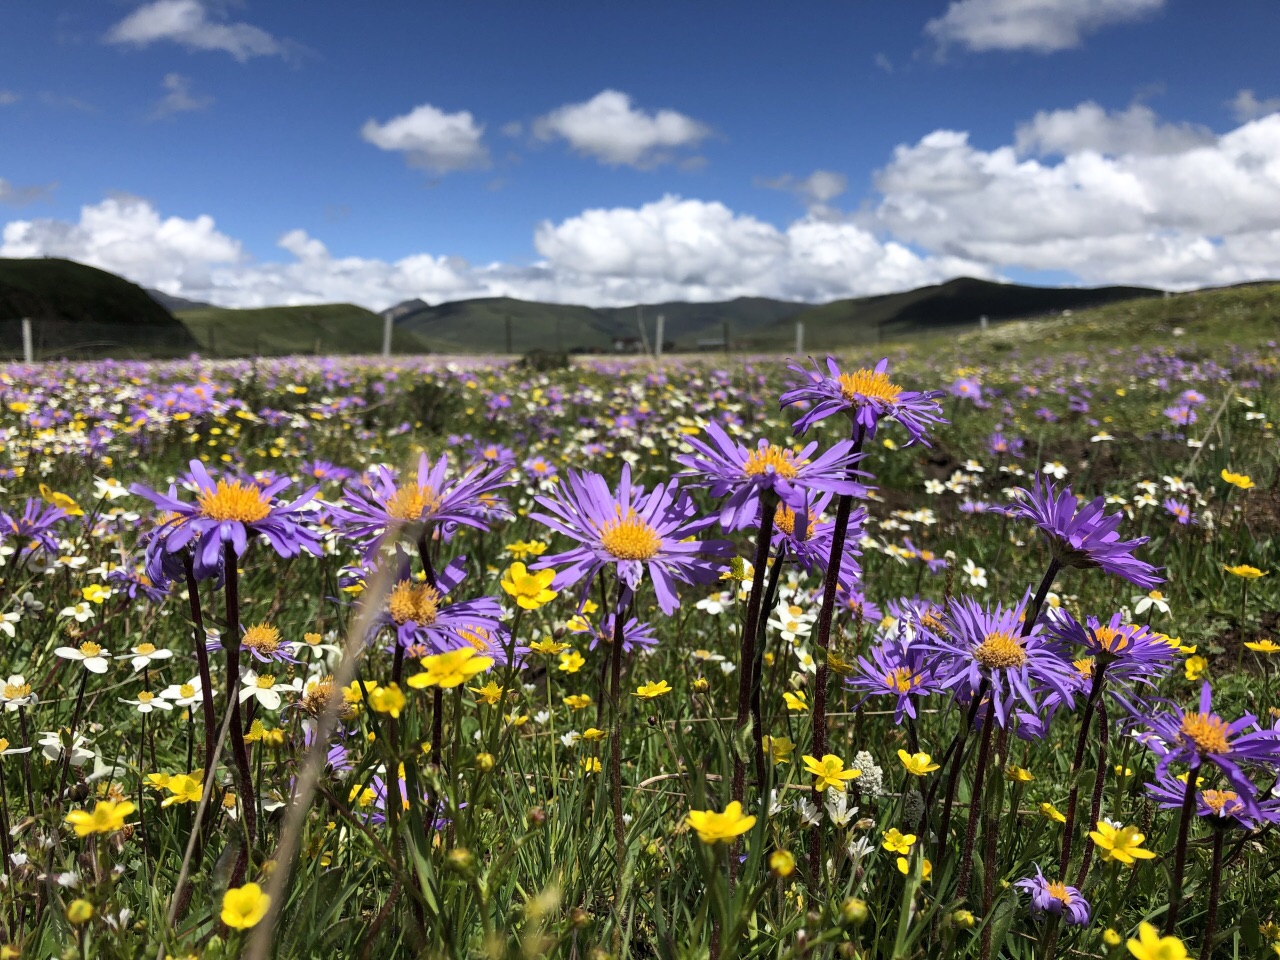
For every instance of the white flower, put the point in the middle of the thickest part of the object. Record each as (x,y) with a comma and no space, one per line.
(1153,599)
(105,771)
(775,805)
(838,809)
(809,813)
(1055,469)
(16,692)
(148,701)
(806,661)
(51,747)
(264,688)
(542,716)
(1100,436)
(90,654)
(713,605)
(183,694)
(7,622)
(82,611)
(8,751)
(871,783)
(977,575)
(108,489)
(934,486)
(143,654)
(859,849)
(1146,500)
(791,622)
(570,739)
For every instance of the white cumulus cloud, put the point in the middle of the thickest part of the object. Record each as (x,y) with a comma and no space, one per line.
(1206,214)
(187,22)
(1246,106)
(1089,127)
(610,129)
(431,139)
(1042,26)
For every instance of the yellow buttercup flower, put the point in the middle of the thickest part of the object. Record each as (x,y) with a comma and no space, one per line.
(1241,480)
(78,912)
(897,842)
(389,699)
(594,733)
(61,500)
(796,701)
(107,817)
(651,691)
(1123,844)
(490,693)
(1151,946)
(1050,812)
(1265,645)
(1195,667)
(549,646)
(904,868)
(1244,571)
(715,827)
(450,669)
(577,701)
(830,772)
(780,748)
(244,907)
(782,863)
(183,789)
(917,764)
(571,662)
(591,765)
(1018,774)
(530,590)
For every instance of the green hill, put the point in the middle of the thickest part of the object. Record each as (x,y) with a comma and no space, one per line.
(80,311)
(330,328)
(956,303)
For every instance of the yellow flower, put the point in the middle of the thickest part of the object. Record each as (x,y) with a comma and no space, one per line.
(490,693)
(904,867)
(1050,812)
(158,781)
(917,764)
(107,817)
(450,669)
(1245,571)
(591,765)
(796,701)
(1018,774)
(531,590)
(577,701)
(782,863)
(549,646)
(484,761)
(829,772)
(780,748)
(1195,666)
(1151,946)
(1241,480)
(1263,646)
(650,691)
(387,699)
(571,662)
(594,733)
(715,827)
(78,912)
(61,500)
(1111,937)
(183,789)
(1124,845)
(95,593)
(244,907)
(897,842)
(523,549)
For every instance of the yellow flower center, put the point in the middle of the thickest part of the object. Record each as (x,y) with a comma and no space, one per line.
(417,602)
(771,459)
(17,691)
(1000,651)
(145,649)
(262,638)
(146,696)
(1207,731)
(630,538)
(90,649)
(411,502)
(233,500)
(1113,640)
(931,621)
(1058,890)
(899,680)
(784,518)
(1084,666)
(1220,800)
(186,690)
(863,385)
(265,682)
(478,637)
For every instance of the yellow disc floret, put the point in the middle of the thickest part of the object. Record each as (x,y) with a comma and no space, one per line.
(234,500)
(630,537)
(1000,651)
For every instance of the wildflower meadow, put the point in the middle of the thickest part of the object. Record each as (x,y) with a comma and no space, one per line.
(858,656)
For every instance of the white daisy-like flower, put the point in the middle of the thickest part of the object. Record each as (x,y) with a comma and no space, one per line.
(16,692)
(148,701)
(183,694)
(263,688)
(94,657)
(144,654)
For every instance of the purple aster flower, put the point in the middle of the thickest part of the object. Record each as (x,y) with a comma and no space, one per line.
(1083,539)
(262,642)
(1001,446)
(1224,808)
(966,388)
(807,539)
(1182,416)
(132,580)
(855,604)
(635,635)
(428,499)
(1179,511)
(1055,897)
(631,529)
(1200,737)
(229,512)
(897,668)
(324,470)
(979,644)
(1128,652)
(425,623)
(35,527)
(731,469)
(927,557)
(867,396)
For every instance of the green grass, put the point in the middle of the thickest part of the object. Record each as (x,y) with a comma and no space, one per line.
(331,328)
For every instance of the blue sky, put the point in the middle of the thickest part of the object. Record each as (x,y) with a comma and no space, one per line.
(607,154)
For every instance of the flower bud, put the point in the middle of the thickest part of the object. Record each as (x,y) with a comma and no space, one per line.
(854,912)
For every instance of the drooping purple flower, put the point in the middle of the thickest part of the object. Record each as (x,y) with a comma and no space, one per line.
(425,623)
(431,498)
(807,539)
(927,557)
(1224,808)
(1201,736)
(896,668)
(1001,446)
(741,474)
(866,396)
(35,526)
(1128,652)
(1055,897)
(229,512)
(635,635)
(978,644)
(631,530)
(1085,538)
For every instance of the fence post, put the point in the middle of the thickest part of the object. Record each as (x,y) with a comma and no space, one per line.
(28,352)
(657,345)
(387,321)
(799,338)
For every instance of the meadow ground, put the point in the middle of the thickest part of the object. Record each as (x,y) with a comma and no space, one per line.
(343,657)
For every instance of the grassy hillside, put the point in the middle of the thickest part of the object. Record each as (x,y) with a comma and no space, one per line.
(327,328)
(958,302)
(82,311)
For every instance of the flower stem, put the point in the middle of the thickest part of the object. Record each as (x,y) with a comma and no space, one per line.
(202,663)
(615,756)
(747,651)
(1180,852)
(1099,783)
(757,668)
(975,802)
(1215,879)
(1069,827)
(231,644)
